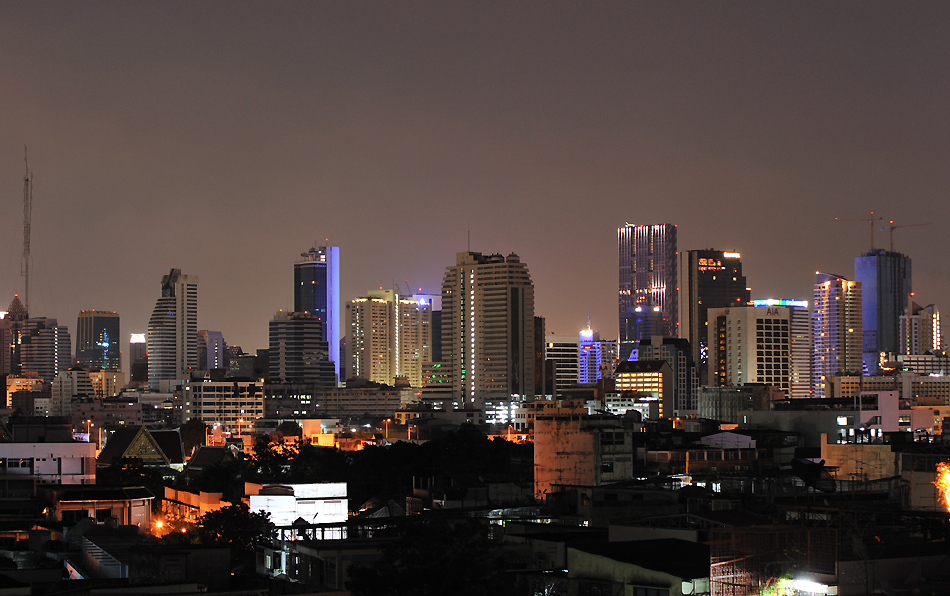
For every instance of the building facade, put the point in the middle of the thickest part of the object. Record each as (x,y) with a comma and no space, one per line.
(707,279)
(836,330)
(297,352)
(97,340)
(676,352)
(212,350)
(317,291)
(45,348)
(647,289)
(885,279)
(388,337)
(564,352)
(172,340)
(800,356)
(920,331)
(488,329)
(649,380)
(597,358)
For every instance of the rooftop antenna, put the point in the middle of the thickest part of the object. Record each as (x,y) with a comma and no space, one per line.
(27,216)
(469,229)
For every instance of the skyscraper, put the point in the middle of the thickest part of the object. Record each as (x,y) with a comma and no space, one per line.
(97,340)
(563,351)
(388,336)
(172,339)
(707,279)
(488,329)
(836,330)
(297,352)
(647,288)
(17,316)
(45,348)
(885,279)
(800,344)
(920,331)
(317,291)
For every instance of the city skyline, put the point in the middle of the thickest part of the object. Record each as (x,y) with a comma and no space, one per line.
(508,128)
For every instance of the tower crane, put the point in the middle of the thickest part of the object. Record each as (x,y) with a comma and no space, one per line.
(892,227)
(870,221)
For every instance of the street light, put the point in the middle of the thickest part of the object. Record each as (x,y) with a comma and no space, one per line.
(388,420)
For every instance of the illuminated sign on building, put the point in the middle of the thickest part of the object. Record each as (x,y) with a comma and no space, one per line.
(774,302)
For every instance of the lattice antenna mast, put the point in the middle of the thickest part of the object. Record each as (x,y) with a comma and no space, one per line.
(27,216)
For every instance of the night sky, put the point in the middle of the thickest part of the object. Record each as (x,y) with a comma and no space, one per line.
(225,138)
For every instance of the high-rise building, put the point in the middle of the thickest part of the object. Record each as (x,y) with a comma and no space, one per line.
(172,341)
(647,289)
(676,352)
(836,330)
(754,344)
(597,357)
(564,352)
(212,350)
(45,348)
(67,387)
(297,352)
(388,337)
(488,329)
(885,279)
(707,279)
(800,348)
(97,340)
(317,291)
(17,316)
(920,331)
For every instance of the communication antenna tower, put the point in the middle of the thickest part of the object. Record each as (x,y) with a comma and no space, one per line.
(27,216)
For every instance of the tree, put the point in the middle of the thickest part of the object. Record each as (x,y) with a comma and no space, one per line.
(193,434)
(238,527)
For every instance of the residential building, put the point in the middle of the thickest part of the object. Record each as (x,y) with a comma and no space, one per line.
(885,279)
(97,340)
(647,289)
(45,348)
(707,279)
(234,404)
(920,331)
(580,450)
(488,329)
(172,341)
(69,386)
(107,383)
(564,352)
(388,337)
(317,291)
(836,330)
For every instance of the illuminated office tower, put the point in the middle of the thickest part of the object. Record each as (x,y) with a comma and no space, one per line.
(45,348)
(647,288)
(707,279)
(920,330)
(317,291)
(563,351)
(212,350)
(801,344)
(885,279)
(836,330)
(488,329)
(760,344)
(17,316)
(172,340)
(97,340)
(597,357)
(388,337)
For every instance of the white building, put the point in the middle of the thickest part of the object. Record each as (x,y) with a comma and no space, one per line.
(68,386)
(388,337)
(837,337)
(50,463)
(318,503)
(173,332)
(233,405)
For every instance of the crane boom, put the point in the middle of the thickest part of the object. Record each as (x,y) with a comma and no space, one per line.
(27,216)
(892,227)
(870,221)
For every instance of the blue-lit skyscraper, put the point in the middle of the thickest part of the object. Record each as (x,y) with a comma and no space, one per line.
(885,278)
(317,291)
(597,358)
(647,290)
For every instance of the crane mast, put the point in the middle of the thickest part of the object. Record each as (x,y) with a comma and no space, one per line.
(27,216)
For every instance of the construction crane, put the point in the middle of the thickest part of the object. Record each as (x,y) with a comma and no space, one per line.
(870,221)
(27,216)
(892,227)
